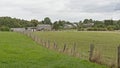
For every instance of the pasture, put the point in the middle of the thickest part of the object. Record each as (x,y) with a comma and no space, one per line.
(105,43)
(20,51)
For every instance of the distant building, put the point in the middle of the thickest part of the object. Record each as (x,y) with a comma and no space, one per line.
(24,29)
(17,29)
(68,26)
(31,29)
(88,25)
(40,27)
(46,27)
(75,25)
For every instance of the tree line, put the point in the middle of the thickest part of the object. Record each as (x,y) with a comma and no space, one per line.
(87,24)
(105,25)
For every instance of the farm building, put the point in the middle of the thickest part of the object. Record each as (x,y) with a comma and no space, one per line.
(24,29)
(68,26)
(88,25)
(43,27)
(17,29)
(38,28)
(31,29)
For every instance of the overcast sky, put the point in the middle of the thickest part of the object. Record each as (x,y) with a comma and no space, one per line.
(71,10)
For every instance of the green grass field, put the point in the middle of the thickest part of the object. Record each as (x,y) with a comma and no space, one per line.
(20,51)
(106,43)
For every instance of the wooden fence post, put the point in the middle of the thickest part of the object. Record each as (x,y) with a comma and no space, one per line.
(64,47)
(45,43)
(34,37)
(48,44)
(91,52)
(30,35)
(74,48)
(37,39)
(118,56)
(41,42)
(55,46)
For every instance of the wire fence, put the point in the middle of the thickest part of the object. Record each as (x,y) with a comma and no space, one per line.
(100,55)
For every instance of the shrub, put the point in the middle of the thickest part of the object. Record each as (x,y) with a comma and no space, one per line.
(81,29)
(97,29)
(111,28)
(4,28)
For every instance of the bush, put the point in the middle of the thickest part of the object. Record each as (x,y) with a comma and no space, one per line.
(81,29)
(111,28)
(97,29)
(4,28)
(102,29)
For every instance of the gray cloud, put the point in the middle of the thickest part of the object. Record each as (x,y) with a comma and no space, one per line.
(72,10)
(117,7)
(93,6)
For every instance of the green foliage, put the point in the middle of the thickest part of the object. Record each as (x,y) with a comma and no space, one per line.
(34,22)
(79,26)
(97,29)
(99,24)
(55,26)
(47,21)
(23,52)
(13,22)
(87,21)
(59,25)
(111,28)
(4,28)
(108,22)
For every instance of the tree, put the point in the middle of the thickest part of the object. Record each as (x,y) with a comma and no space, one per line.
(85,21)
(111,27)
(118,24)
(79,26)
(14,22)
(108,22)
(99,24)
(56,25)
(47,21)
(88,21)
(34,22)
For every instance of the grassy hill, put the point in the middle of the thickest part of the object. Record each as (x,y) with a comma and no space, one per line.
(19,51)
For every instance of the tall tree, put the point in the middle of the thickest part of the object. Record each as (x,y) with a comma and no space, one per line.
(108,22)
(47,21)
(34,22)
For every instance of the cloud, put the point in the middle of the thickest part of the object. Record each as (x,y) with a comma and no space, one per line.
(117,7)
(92,6)
(72,10)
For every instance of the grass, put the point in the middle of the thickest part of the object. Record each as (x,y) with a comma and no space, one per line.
(105,42)
(19,51)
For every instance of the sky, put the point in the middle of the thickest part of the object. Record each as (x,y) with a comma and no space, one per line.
(70,10)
